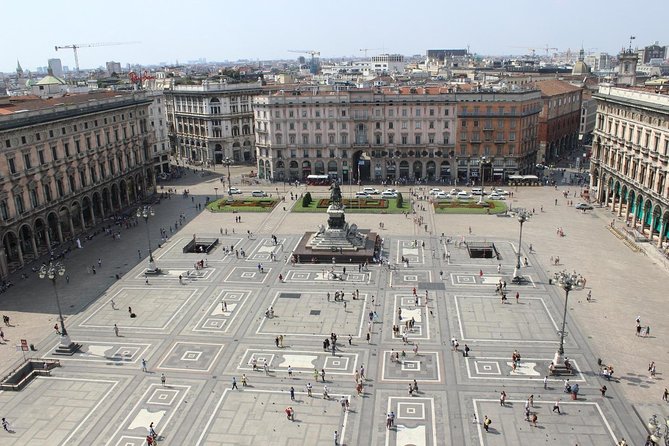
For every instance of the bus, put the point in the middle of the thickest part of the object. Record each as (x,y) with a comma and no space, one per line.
(318,180)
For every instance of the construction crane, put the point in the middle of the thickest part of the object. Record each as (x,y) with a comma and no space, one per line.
(313,66)
(547,49)
(76,46)
(368,49)
(532,50)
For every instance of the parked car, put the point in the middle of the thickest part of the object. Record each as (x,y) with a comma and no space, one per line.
(362,194)
(435,191)
(584,207)
(455,191)
(464,195)
(388,194)
(370,190)
(496,196)
(391,190)
(258,193)
(443,196)
(477,191)
(500,192)
(234,191)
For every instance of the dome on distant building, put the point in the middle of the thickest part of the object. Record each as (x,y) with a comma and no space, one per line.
(580,67)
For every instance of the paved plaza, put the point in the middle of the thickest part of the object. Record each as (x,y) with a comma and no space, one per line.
(213,325)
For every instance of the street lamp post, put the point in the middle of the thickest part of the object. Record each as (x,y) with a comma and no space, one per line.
(523,216)
(228,161)
(483,161)
(216,191)
(567,281)
(52,271)
(146,212)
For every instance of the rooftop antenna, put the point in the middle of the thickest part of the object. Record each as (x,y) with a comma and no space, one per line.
(631,38)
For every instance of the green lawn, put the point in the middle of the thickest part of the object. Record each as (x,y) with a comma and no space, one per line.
(352,209)
(242,205)
(469,207)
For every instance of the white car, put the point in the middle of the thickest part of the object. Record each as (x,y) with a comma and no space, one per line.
(435,191)
(388,194)
(455,191)
(258,193)
(391,190)
(370,190)
(463,195)
(362,194)
(234,191)
(477,191)
(443,196)
(496,196)
(500,192)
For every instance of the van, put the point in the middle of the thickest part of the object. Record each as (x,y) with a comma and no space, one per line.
(258,193)
(477,191)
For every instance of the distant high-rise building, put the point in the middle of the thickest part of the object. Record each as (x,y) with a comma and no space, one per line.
(56,67)
(654,51)
(113,67)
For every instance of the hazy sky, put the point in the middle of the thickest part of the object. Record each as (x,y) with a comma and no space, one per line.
(171,30)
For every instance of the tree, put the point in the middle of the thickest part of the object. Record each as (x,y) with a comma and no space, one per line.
(400,200)
(306,200)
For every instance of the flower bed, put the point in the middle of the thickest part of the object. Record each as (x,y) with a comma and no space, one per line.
(242,205)
(356,203)
(469,207)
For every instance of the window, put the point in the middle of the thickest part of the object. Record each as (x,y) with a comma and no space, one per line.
(304,126)
(291,126)
(279,139)
(331,138)
(418,124)
(88,143)
(50,133)
(430,138)
(20,207)
(77,145)
(431,124)
(418,112)
(305,153)
(4,210)
(34,199)
(391,112)
(391,139)
(97,140)
(390,126)
(431,112)
(277,126)
(318,140)
(330,125)
(38,136)
(8,143)
(26,161)
(343,113)
(54,153)
(404,112)
(344,138)
(46,191)
(291,139)
(319,153)
(318,126)
(332,153)
(405,139)
(343,126)
(318,113)
(40,155)
(277,114)
(82,178)
(304,113)
(305,139)
(405,125)
(344,153)
(417,139)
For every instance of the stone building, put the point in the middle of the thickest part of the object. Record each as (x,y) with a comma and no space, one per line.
(212,121)
(400,133)
(67,163)
(630,154)
(559,121)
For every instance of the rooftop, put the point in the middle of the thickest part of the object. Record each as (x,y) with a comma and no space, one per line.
(19,104)
(554,87)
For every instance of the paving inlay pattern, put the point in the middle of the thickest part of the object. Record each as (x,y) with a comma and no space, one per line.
(202,333)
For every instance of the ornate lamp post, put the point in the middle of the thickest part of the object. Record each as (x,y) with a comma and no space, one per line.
(146,212)
(53,271)
(483,160)
(523,216)
(567,281)
(227,162)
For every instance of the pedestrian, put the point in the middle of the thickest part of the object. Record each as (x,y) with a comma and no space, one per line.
(517,296)
(465,351)
(162,379)
(5,424)
(368,337)
(290,413)
(502,398)
(116,330)
(244,380)
(323,374)
(336,438)
(603,389)
(113,304)
(139,254)
(290,372)
(486,423)
(665,395)
(234,383)
(545,382)
(55,327)
(350,340)
(556,407)
(326,396)
(534,419)
(362,371)
(292,393)
(309,388)
(224,306)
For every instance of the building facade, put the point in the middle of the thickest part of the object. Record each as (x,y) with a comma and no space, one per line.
(560,118)
(212,121)
(405,134)
(160,143)
(66,164)
(630,155)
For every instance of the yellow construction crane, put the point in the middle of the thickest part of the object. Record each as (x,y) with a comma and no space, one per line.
(76,46)
(369,49)
(547,49)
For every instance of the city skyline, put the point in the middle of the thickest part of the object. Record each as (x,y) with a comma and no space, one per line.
(266,30)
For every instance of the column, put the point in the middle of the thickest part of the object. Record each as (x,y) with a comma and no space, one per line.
(620,208)
(34,243)
(81,219)
(92,208)
(606,197)
(19,251)
(47,238)
(60,231)
(661,237)
(4,268)
(69,219)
